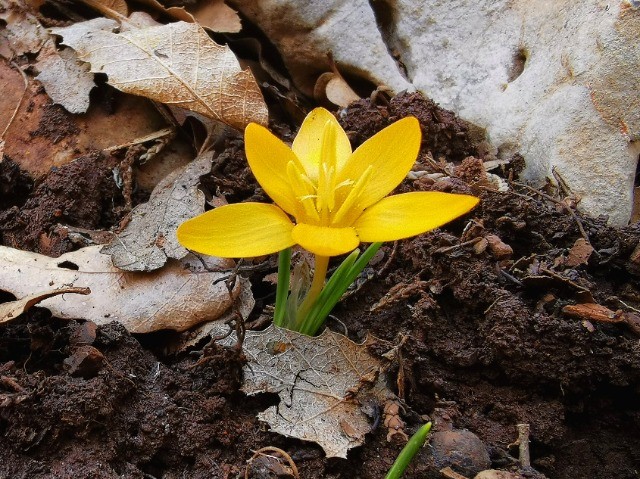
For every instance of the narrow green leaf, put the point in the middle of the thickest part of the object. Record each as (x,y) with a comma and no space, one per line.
(282,288)
(408,452)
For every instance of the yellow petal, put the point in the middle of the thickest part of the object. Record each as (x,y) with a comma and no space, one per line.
(392,152)
(308,142)
(409,214)
(237,231)
(324,240)
(268,157)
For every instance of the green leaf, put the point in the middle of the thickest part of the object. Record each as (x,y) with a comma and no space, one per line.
(408,452)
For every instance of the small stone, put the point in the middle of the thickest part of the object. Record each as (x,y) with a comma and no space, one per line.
(481,246)
(497,474)
(461,450)
(83,334)
(499,249)
(85,362)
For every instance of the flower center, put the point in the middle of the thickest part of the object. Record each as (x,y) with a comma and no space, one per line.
(324,201)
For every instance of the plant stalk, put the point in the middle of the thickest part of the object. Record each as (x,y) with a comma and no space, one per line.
(319,275)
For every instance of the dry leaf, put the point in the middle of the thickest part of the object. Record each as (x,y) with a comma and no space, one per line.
(177,64)
(333,88)
(579,253)
(67,81)
(14,309)
(220,327)
(109,7)
(149,239)
(216,15)
(178,296)
(22,33)
(75,135)
(326,385)
(212,14)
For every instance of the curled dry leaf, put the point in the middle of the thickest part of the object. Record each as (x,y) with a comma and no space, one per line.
(149,239)
(177,64)
(179,296)
(13,309)
(333,88)
(327,385)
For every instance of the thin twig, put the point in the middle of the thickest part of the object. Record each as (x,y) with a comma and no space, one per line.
(523,445)
(385,267)
(457,246)
(17,108)
(558,202)
(156,135)
(284,454)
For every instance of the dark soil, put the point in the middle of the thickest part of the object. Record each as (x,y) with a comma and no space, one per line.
(477,307)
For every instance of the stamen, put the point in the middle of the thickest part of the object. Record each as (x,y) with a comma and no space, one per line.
(304,190)
(349,206)
(326,201)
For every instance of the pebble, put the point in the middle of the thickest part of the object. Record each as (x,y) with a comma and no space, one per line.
(461,450)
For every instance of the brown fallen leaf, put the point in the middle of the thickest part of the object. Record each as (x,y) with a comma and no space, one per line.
(579,253)
(601,314)
(22,33)
(109,7)
(67,81)
(13,309)
(216,16)
(333,88)
(178,296)
(149,239)
(177,64)
(327,385)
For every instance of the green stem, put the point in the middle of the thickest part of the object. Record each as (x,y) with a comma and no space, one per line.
(319,275)
(282,288)
(337,285)
(408,452)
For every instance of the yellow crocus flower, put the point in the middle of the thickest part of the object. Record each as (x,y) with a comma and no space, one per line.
(327,198)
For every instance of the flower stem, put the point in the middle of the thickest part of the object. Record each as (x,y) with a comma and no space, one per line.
(282,288)
(319,275)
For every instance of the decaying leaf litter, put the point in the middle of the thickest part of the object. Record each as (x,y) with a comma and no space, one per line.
(479,312)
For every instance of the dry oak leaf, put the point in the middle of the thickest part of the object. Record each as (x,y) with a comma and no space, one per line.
(177,64)
(327,385)
(178,296)
(149,239)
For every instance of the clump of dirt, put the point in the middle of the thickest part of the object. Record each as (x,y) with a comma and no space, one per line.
(486,337)
(15,184)
(476,308)
(55,123)
(82,194)
(444,134)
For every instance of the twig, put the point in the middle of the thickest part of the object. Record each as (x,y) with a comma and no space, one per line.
(156,135)
(262,451)
(457,246)
(523,445)
(17,108)
(558,202)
